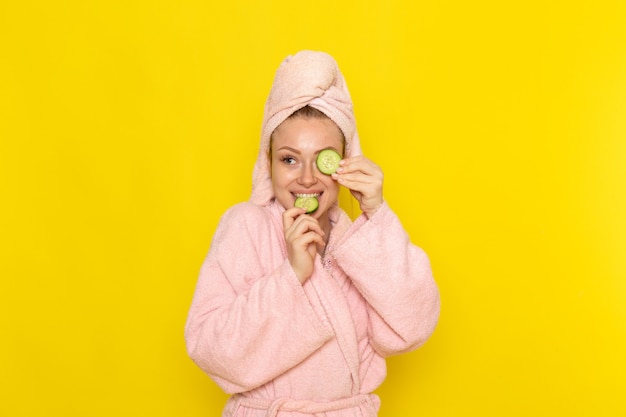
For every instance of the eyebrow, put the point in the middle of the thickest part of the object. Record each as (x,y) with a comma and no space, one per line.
(288,148)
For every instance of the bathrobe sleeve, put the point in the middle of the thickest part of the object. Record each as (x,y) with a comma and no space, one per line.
(251,321)
(394,276)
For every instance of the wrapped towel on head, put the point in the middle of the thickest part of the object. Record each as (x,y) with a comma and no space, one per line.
(306,78)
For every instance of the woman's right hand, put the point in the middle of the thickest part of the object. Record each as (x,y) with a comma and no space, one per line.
(302,235)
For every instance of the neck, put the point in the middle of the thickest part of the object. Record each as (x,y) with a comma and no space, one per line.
(324,223)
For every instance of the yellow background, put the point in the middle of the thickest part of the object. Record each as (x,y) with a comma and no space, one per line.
(128,127)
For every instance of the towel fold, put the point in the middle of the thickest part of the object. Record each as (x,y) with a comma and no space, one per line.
(306,78)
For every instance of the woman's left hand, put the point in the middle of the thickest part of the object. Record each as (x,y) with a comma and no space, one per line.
(365,181)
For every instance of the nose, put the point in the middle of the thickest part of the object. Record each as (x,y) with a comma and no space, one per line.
(307,176)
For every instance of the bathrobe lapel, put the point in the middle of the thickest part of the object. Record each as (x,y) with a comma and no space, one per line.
(327,280)
(339,315)
(331,279)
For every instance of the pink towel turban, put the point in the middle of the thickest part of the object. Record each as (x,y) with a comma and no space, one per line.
(306,78)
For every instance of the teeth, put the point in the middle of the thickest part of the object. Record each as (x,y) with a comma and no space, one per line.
(307,195)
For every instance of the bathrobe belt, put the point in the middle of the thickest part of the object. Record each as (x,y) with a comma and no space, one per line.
(302,406)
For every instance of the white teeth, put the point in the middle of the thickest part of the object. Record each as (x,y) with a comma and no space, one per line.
(307,195)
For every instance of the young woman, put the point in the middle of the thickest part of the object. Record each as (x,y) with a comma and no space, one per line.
(294,313)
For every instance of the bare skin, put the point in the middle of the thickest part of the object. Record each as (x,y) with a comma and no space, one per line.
(295,146)
(365,180)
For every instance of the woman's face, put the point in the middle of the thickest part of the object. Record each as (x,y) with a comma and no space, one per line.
(295,146)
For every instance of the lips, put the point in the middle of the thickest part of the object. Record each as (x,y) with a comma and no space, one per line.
(299,195)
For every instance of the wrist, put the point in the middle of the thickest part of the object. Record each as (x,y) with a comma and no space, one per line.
(370,212)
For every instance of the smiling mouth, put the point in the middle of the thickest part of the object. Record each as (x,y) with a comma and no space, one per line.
(300,195)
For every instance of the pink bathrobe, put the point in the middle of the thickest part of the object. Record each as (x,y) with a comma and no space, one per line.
(283,348)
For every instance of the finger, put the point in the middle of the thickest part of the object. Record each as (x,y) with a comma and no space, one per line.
(360,176)
(300,226)
(358,163)
(306,223)
(360,182)
(309,238)
(290,215)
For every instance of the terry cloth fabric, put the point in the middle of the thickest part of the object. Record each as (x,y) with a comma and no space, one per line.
(306,78)
(283,348)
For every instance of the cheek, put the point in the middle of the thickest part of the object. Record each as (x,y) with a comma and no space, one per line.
(274,169)
(332,186)
(279,176)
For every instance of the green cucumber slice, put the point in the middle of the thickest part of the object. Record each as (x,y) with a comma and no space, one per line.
(310,204)
(328,161)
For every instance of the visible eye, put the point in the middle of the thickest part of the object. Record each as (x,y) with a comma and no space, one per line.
(289,160)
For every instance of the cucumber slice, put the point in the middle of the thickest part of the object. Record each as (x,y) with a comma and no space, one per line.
(310,204)
(328,161)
